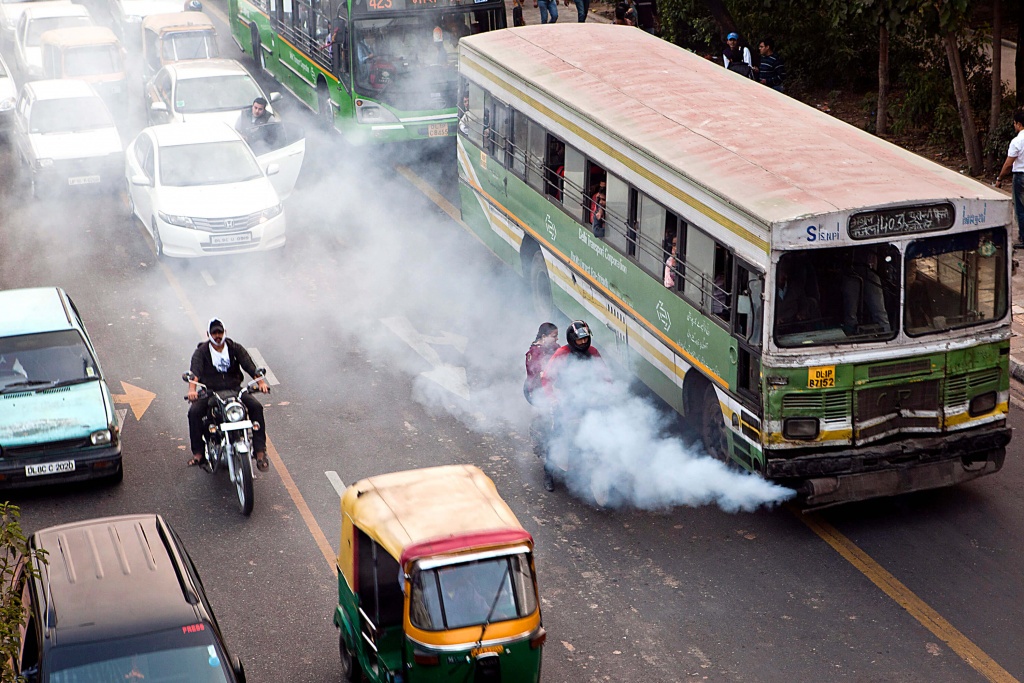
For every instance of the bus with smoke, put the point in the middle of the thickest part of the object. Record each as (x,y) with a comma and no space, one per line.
(374,70)
(825,308)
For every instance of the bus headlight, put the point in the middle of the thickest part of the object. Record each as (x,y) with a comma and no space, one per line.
(982,404)
(802,428)
(368,112)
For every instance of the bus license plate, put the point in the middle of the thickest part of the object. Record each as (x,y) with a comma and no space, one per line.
(83,180)
(821,377)
(437,130)
(239,238)
(50,468)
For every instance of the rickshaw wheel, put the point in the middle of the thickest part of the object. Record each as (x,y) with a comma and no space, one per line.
(349,664)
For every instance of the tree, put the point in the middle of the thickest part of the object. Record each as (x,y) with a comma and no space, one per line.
(997,81)
(14,549)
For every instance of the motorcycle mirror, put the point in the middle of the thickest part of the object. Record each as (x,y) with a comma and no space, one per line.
(261,372)
(187,376)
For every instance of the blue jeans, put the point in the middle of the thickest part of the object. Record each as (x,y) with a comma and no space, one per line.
(548,8)
(582,7)
(1018,203)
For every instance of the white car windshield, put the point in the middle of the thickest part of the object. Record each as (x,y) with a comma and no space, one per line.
(92,61)
(209,163)
(39,26)
(215,93)
(69,115)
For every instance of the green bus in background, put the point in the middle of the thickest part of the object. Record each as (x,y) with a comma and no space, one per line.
(375,70)
(830,310)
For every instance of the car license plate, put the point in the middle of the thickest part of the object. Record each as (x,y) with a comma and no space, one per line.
(50,468)
(237,238)
(821,377)
(83,180)
(437,130)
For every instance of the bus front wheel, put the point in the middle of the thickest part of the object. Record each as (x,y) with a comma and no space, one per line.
(324,111)
(540,285)
(712,427)
(257,47)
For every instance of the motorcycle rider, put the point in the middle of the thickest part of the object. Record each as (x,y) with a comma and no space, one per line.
(578,349)
(218,363)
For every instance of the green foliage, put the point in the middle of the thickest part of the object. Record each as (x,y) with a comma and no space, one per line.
(13,547)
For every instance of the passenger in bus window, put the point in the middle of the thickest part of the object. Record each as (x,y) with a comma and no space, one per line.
(863,297)
(670,264)
(597,222)
(792,303)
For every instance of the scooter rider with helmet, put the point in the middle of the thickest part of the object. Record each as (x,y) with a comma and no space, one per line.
(218,364)
(578,348)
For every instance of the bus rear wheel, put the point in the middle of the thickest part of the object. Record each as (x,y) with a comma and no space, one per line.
(712,427)
(540,285)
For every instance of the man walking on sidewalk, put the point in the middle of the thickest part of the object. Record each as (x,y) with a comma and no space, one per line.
(1015,163)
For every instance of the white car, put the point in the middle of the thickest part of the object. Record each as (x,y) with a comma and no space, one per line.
(204,90)
(8,97)
(10,12)
(200,190)
(128,16)
(37,19)
(65,137)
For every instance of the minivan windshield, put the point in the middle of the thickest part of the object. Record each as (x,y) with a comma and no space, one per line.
(466,594)
(189,653)
(45,359)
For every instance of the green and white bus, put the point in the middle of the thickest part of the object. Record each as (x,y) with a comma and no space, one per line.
(835,311)
(375,70)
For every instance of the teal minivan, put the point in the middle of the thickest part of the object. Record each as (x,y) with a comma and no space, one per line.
(57,417)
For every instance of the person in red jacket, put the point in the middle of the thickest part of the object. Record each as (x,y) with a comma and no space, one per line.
(565,367)
(537,357)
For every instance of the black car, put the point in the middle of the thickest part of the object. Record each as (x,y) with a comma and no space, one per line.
(119,599)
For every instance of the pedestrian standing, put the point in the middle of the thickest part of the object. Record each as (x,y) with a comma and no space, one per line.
(548,11)
(736,58)
(517,13)
(647,15)
(1015,163)
(582,8)
(772,70)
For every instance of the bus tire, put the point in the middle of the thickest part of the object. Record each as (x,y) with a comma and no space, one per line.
(712,426)
(350,670)
(257,47)
(540,285)
(324,112)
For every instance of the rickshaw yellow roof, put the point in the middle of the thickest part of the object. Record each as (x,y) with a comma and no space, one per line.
(402,509)
(80,35)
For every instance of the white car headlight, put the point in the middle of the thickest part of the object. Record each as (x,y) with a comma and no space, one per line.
(180,221)
(100,438)
(271,213)
(234,412)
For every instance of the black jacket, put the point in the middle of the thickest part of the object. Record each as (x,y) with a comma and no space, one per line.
(202,366)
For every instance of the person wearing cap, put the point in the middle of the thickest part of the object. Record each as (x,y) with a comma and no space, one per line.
(218,363)
(736,56)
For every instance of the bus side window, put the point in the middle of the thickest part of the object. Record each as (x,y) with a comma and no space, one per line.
(597,184)
(721,284)
(700,259)
(475,120)
(554,168)
(518,137)
(673,252)
(651,217)
(573,181)
(616,212)
(536,150)
(747,321)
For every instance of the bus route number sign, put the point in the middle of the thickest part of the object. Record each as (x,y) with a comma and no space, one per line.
(821,377)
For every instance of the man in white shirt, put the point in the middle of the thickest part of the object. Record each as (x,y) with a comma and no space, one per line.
(1015,163)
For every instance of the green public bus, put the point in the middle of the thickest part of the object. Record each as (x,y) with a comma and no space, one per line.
(829,310)
(375,70)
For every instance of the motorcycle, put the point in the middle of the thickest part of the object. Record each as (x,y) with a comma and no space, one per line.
(227,434)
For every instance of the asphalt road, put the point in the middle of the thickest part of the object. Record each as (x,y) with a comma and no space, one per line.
(926,587)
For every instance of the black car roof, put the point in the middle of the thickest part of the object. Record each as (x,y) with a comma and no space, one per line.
(113,577)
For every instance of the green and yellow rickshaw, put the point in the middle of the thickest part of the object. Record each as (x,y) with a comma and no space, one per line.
(436,581)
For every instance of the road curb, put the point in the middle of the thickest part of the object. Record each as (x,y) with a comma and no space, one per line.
(1016,370)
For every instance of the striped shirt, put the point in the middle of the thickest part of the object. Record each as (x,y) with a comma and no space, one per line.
(773,70)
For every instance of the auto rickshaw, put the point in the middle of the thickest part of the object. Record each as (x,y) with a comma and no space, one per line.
(436,581)
(88,53)
(177,37)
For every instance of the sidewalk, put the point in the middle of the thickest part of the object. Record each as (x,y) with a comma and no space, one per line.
(1017,340)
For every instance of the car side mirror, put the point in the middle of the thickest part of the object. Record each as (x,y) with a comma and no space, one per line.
(158,107)
(275,96)
(238,669)
(273,169)
(140,181)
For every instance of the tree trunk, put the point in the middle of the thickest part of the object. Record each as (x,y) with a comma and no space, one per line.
(972,148)
(721,14)
(997,83)
(1018,61)
(881,117)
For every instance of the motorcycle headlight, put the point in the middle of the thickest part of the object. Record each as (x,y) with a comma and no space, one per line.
(235,412)
(101,437)
(271,213)
(180,221)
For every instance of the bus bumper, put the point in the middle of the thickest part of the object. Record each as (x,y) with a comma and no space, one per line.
(904,466)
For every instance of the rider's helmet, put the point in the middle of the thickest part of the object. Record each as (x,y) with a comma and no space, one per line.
(193,6)
(577,336)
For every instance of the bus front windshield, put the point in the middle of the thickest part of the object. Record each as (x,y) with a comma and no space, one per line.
(852,294)
(409,62)
(473,593)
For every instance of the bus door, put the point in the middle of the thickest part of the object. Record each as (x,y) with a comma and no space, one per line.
(748,289)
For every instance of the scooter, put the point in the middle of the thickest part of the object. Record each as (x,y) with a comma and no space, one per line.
(227,434)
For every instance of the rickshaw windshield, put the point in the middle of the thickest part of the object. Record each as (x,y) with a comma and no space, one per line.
(472,593)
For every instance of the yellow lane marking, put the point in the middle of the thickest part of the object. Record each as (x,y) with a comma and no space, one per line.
(905,598)
(282,470)
(432,194)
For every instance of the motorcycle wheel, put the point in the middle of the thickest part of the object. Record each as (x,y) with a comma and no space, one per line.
(212,458)
(243,482)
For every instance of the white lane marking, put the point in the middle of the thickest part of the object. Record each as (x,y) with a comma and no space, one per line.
(1017,402)
(208,278)
(258,359)
(450,377)
(122,413)
(336,482)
